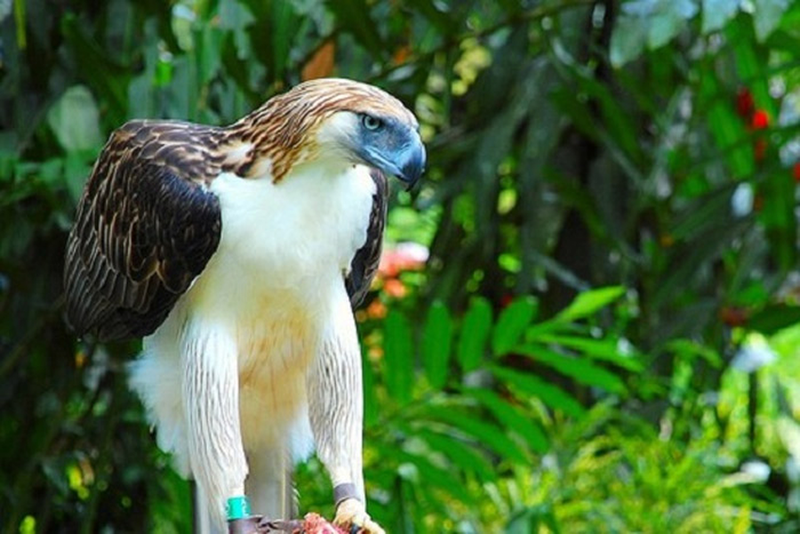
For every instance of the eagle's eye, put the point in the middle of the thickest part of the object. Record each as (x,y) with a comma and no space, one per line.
(371,123)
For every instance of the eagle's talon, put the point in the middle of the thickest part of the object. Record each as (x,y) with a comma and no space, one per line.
(352,515)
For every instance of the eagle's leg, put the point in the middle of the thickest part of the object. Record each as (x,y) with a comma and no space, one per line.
(335,411)
(211,404)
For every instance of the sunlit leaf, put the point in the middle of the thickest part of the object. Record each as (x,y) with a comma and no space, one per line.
(589,302)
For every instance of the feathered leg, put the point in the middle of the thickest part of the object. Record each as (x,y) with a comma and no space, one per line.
(211,403)
(336,413)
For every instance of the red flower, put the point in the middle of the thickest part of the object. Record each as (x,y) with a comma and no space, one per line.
(744,102)
(760,120)
(796,172)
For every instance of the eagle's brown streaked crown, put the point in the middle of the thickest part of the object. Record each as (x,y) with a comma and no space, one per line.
(282,129)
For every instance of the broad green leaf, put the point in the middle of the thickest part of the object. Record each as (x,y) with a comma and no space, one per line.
(484,433)
(108,79)
(689,350)
(654,22)
(599,349)
(467,458)
(525,384)
(512,418)
(475,329)
(627,41)
(589,302)
(512,323)
(431,474)
(436,343)
(581,370)
(532,519)
(75,120)
(716,13)
(767,15)
(669,20)
(398,357)
(354,16)
(774,318)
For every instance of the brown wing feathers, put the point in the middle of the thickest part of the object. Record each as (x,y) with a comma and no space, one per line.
(145,228)
(365,263)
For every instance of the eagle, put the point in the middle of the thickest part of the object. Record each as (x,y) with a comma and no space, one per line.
(239,253)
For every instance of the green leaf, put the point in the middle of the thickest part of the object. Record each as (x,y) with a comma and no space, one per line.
(627,41)
(431,474)
(767,15)
(774,318)
(512,418)
(669,20)
(75,120)
(436,344)
(525,384)
(589,302)
(716,13)
(475,330)
(599,349)
(354,17)
(484,433)
(462,455)
(108,79)
(654,22)
(398,357)
(579,369)
(512,323)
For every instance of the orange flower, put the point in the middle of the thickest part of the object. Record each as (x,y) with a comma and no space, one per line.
(395,288)
(403,257)
(376,309)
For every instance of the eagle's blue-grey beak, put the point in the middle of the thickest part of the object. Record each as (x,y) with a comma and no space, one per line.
(410,161)
(399,152)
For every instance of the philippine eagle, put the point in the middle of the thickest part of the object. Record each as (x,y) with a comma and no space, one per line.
(238,253)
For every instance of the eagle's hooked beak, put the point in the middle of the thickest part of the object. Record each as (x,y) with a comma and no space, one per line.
(399,152)
(410,161)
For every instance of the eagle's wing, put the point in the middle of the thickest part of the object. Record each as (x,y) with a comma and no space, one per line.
(145,228)
(365,263)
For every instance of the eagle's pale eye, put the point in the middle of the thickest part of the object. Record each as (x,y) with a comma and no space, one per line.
(371,123)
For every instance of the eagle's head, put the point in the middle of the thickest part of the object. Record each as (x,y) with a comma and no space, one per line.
(338,121)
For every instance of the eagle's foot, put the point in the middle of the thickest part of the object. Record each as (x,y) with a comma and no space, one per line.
(352,513)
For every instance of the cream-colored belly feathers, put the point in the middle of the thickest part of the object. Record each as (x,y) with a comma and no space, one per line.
(269,294)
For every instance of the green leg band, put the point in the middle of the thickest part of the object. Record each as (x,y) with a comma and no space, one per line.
(238,508)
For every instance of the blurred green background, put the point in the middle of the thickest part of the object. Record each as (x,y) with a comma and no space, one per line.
(588,319)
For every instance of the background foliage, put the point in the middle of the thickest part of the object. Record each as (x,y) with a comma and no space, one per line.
(604,333)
